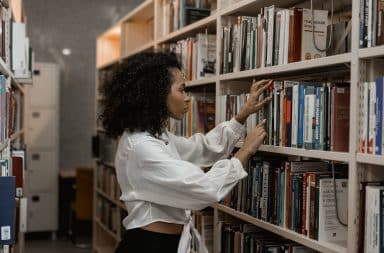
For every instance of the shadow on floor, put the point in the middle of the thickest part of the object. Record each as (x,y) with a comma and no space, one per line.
(43,243)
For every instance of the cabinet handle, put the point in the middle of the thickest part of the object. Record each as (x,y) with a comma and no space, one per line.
(35,157)
(35,198)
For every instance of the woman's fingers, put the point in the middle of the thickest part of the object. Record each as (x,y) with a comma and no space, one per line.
(256,85)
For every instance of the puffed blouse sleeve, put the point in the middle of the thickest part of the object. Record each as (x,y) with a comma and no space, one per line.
(163,179)
(204,150)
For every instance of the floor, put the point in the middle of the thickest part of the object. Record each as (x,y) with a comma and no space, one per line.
(45,244)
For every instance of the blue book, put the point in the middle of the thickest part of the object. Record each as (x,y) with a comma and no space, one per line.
(379,113)
(300,129)
(7,210)
(317,117)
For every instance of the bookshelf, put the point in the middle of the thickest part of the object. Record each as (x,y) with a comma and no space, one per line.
(13,121)
(350,66)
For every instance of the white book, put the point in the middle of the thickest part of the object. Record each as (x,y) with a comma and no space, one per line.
(264,40)
(236,46)
(308,49)
(295,114)
(309,114)
(19,61)
(281,13)
(372,118)
(270,34)
(286,33)
(23,214)
(364,117)
(330,230)
(372,218)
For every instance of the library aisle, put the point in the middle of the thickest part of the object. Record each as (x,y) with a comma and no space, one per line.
(315,184)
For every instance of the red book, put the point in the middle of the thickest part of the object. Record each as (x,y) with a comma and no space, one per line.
(18,172)
(340,118)
(295,32)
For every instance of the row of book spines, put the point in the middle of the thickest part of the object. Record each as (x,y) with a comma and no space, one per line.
(371,117)
(279,195)
(276,36)
(371,23)
(177,14)
(302,115)
(197,55)
(247,238)
(107,182)
(200,117)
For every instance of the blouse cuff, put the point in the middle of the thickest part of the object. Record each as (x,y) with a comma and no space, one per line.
(242,173)
(237,127)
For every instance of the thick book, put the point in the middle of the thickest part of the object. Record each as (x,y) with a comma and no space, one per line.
(340,118)
(373,218)
(363,186)
(330,229)
(308,49)
(309,117)
(7,207)
(295,34)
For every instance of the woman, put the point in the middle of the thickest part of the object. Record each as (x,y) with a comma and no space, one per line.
(159,173)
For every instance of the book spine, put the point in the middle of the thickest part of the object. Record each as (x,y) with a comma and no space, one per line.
(295,115)
(363,17)
(300,130)
(372,118)
(309,113)
(379,112)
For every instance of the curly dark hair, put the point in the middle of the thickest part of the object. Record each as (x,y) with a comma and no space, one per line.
(134,98)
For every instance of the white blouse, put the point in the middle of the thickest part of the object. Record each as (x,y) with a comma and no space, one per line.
(162,179)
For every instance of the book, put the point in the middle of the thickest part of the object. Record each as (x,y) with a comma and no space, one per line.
(362,223)
(7,207)
(308,49)
(340,118)
(373,218)
(330,230)
(295,34)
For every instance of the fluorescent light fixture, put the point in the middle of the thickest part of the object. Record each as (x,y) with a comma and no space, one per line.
(66,51)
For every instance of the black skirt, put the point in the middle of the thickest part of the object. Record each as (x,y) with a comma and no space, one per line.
(138,240)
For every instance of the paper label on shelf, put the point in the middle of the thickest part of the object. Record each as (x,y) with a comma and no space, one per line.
(6,233)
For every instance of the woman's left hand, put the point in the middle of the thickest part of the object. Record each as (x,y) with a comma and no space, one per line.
(253,103)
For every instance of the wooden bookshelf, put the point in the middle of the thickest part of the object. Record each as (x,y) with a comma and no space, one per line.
(370,159)
(330,64)
(107,230)
(310,243)
(348,65)
(17,138)
(191,30)
(204,81)
(108,47)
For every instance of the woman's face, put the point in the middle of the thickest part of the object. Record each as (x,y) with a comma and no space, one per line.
(177,99)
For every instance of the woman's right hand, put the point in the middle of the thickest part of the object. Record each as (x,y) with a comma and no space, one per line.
(251,143)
